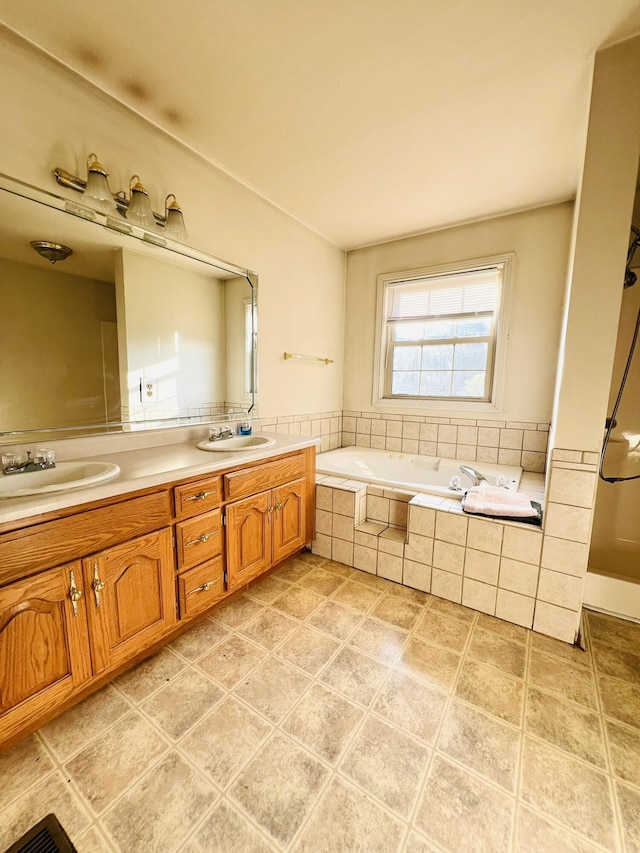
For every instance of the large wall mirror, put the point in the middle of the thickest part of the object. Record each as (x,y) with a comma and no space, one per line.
(123,334)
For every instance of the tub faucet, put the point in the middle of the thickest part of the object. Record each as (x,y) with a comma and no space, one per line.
(476,476)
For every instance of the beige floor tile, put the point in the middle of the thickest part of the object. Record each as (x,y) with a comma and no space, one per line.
(347,820)
(619,700)
(568,791)
(314,560)
(273,688)
(386,763)
(397,611)
(443,630)
(231,660)
(161,809)
(496,651)
(225,740)
(574,654)
(371,581)
(613,632)
(378,639)
(323,582)
(558,676)
(337,568)
(226,830)
(200,639)
(298,602)
(537,835)
(616,663)
(450,608)
(267,590)
(280,809)
(356,595)
(184,701)
(482,743)
(143,679)
(430,662)
(505,629)
(414,706)
(21,767)
(324,722)
(308,649)
(409,594)
(237,612)
(624,750)
(491,690)
(563,724)
(268,628)
(335,619)
(115,759)
(294,570)
(92,841)
(415,844)
(462,813)
(629,802)
(52,794)
(355,675)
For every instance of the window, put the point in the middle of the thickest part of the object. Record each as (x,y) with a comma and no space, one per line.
(439,333)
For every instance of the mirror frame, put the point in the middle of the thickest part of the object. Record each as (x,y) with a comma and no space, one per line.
(120,230)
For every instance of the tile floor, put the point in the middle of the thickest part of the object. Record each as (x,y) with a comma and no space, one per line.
(330,710)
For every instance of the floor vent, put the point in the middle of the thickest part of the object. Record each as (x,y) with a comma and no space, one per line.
(47,836)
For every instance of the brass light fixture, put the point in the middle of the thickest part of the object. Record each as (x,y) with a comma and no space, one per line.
(174,220)
(97,193)
(139,211)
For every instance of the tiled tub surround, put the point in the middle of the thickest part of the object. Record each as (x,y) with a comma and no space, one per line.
(330,710)
(519,573)
(506,442)
(327,426)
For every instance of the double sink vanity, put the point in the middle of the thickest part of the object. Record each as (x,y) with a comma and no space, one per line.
(96,576)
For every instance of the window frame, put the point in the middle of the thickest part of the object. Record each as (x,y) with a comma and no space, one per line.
(491,401)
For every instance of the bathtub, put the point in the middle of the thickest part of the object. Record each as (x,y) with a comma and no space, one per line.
(430,474)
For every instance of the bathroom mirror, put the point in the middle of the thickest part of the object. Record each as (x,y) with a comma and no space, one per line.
(130,331)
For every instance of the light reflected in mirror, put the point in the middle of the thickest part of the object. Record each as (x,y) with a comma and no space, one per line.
(122,334)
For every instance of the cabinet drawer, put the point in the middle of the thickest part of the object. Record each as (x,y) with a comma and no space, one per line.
(195,498)
(240,484)
(200,588)
(199,539)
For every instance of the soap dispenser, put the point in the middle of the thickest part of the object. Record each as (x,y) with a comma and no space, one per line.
(244,427)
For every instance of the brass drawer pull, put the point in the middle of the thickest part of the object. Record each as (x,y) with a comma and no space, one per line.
(201,496)
(98,585)
(204,538)
(75,594)
(204,586)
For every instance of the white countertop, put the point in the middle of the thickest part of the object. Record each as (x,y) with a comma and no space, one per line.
(147,467)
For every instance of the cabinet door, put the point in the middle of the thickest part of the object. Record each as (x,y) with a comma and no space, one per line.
(44,645)
(288,522)
(248,538)
(131,598)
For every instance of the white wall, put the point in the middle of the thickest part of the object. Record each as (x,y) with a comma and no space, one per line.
(540,239)
(53,118)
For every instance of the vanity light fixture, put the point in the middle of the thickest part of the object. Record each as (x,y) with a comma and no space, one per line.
(174,220)
(139,211)
(97,193)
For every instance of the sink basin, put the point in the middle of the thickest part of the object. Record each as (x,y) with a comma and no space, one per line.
(238,442)
(62,478)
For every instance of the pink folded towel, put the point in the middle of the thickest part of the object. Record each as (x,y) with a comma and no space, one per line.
(493,500)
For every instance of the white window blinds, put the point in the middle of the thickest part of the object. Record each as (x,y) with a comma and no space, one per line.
(443,296)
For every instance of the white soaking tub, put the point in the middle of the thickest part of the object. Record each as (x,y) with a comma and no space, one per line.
(430,474)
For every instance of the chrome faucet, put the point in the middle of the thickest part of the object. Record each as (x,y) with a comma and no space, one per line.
(217,434)
(476,476)
(12,462)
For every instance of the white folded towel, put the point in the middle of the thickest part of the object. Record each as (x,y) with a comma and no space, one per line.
(492,500)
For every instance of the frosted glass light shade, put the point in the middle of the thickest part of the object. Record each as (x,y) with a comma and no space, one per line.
(97,193)
(174,226)
(139,211)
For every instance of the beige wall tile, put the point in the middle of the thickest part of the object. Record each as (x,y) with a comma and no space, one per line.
(522,545)
(468,435)
(410,445)
(416,575)
(451,528)
(419,549)
(447,450)
(365,559)
(448,557)
(511,439)
(398,513)
(378,509)
(394,429)
(324,521)
(321,546)
(421,520)
(447,434)
(563,590)
(531,461)
(513,607)
(485,535)
(446,585)
(487,454)
(393,444)
(535,440)
(410,430)
(566,455)
(575,488)
(481,566)
(391,545)
(342,552)
(363,425)
(362,440)
(555,621)
(479,596)
(324,498)
(488,436)
(390,567)
(518,577)
(567,522)
(564,556)
(342,527)
(507,456)
(466,452)
(429,432)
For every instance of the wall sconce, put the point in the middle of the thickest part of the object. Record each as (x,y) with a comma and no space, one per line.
(136,209)
(139,211)
(97,193)
(174,220)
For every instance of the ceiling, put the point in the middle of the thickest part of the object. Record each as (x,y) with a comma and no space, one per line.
(364,119)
